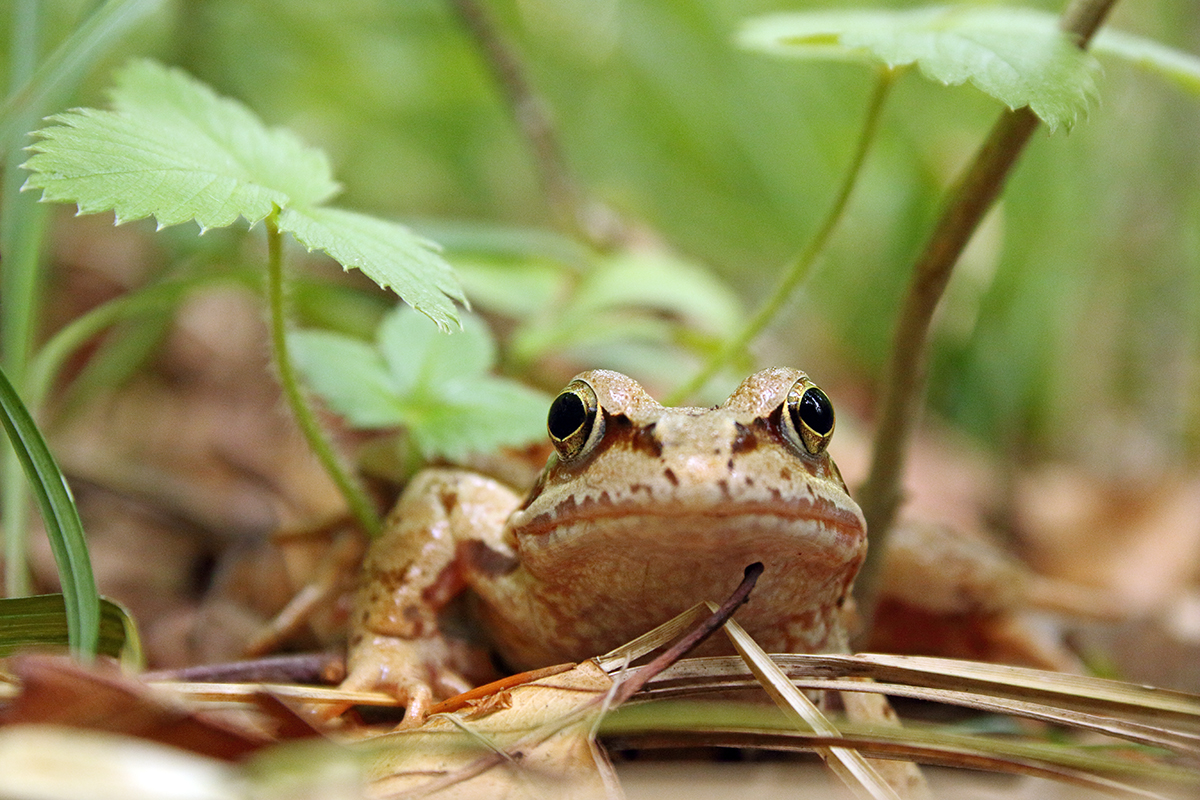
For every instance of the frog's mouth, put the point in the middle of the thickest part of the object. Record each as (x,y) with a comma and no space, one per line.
(803,515)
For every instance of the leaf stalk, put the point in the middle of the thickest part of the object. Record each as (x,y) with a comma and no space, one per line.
(356,498)
(799,267)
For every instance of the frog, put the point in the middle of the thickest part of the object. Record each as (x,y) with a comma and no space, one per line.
(641,512)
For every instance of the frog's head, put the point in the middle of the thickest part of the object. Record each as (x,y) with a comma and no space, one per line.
(750,476)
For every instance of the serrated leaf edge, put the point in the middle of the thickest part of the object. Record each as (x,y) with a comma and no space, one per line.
(751,36)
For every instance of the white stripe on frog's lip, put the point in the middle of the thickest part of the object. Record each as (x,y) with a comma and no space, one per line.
(569,513)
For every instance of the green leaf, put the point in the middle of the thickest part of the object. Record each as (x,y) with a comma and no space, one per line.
(478,413)
(453,406)
(60,517)
(1177,66)
(1018,56)
(349,375)
(661,282)
(174,150)
(514,288)
(421,357)
(438,386)
(633,312)
(41,621)
(390,254)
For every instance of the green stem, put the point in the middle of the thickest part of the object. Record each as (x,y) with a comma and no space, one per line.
(904,378)
(360,504)
(798,268)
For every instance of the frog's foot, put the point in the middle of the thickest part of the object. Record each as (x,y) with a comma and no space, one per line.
(417,672)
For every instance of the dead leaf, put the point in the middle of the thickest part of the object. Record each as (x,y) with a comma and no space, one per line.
(57,691)
(541,745)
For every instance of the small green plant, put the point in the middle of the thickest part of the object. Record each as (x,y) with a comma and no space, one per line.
(172,149)
(439,388)
(63,528)
(1015,55)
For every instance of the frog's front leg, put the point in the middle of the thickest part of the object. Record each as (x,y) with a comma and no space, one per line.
(442,522)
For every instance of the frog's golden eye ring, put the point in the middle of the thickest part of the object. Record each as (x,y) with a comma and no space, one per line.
(574,421)
(809,420)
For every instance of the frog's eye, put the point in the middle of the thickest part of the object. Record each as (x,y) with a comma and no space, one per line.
(574,422)
(809,419)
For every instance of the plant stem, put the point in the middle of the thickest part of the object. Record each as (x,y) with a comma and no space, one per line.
(904,377)
(360,504)
(798,268)
(575,212)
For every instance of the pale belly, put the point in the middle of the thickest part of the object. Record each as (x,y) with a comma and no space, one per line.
(569,602)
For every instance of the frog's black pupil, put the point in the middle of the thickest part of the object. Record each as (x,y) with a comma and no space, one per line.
(816,411)
(567,415)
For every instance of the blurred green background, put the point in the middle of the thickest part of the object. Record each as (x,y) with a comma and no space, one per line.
(1071,329)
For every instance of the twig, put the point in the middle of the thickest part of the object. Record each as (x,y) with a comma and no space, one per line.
(905,375)
(295,668)
(608,701)
(693,638)
(573,210)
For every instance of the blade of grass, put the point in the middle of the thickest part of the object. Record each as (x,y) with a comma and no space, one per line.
(41,621)
(854,770)
(68,61)
(1093,695)
(21,228)
(684,723)
(1100,693)
(46,364)
(61,520)
(1058,709)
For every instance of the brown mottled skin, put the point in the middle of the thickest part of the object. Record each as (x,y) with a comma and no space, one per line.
(663,508)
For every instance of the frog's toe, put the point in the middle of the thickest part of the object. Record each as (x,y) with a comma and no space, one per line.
(409,690)
(417,672)
(416,706)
